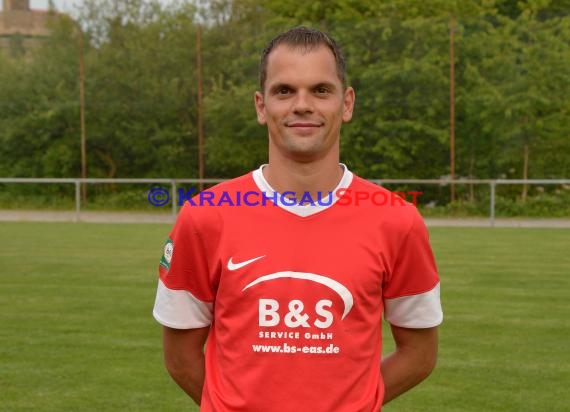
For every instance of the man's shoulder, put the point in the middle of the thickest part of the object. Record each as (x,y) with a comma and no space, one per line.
(206,207)
(384,196)
(393,208)
(361,183)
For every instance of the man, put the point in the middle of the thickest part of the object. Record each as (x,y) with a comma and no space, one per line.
(287,291)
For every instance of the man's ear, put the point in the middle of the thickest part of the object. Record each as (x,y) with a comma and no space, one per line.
(348,104)
(259,107)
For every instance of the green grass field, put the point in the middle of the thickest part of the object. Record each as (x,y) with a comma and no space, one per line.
(77,332)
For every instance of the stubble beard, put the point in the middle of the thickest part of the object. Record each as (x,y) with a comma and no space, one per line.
(304,148)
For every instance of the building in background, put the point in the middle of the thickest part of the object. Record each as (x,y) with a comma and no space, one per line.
(22,28)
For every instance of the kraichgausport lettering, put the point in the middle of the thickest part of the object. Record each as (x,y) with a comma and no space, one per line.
(159,196)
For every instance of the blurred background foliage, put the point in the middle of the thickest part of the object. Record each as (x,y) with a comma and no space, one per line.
(511,75)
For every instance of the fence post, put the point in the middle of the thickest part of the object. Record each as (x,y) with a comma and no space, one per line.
(174,198)
(492,206)
(77,200)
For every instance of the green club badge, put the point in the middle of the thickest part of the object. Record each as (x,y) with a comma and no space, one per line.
(167,255)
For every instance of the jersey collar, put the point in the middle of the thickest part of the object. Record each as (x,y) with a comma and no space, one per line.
(319,204)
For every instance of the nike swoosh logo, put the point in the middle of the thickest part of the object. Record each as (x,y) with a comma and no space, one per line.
(236,266)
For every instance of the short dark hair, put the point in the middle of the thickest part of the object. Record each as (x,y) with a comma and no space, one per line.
(306,39)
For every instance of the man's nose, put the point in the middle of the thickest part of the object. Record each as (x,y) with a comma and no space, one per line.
(303,102)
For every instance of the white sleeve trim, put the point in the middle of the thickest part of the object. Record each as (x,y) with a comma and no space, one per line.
(179,309)
(415,311)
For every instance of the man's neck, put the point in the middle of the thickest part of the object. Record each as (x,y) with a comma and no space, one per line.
(317,177)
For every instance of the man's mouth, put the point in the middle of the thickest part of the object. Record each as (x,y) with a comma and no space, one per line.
(303,124)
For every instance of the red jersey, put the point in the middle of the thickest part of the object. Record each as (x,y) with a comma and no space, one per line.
(295,294)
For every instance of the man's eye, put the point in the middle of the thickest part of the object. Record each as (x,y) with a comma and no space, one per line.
(321,90)
(283,90)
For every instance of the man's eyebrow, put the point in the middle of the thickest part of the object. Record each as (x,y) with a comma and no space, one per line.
(327,85)
(277,86)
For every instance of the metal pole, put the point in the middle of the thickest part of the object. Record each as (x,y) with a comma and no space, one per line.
(77,201)
(492,206)
(452,103)
(199,103)
(82,112)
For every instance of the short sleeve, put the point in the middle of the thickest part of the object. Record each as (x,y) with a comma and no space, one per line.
(185,295)
(412,290)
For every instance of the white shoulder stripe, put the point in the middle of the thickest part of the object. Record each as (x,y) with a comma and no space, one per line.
(179,309)
(415,311)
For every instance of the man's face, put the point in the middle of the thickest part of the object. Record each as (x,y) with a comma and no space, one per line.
(303,104)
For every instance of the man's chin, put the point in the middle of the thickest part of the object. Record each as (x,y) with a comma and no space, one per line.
(306,154)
